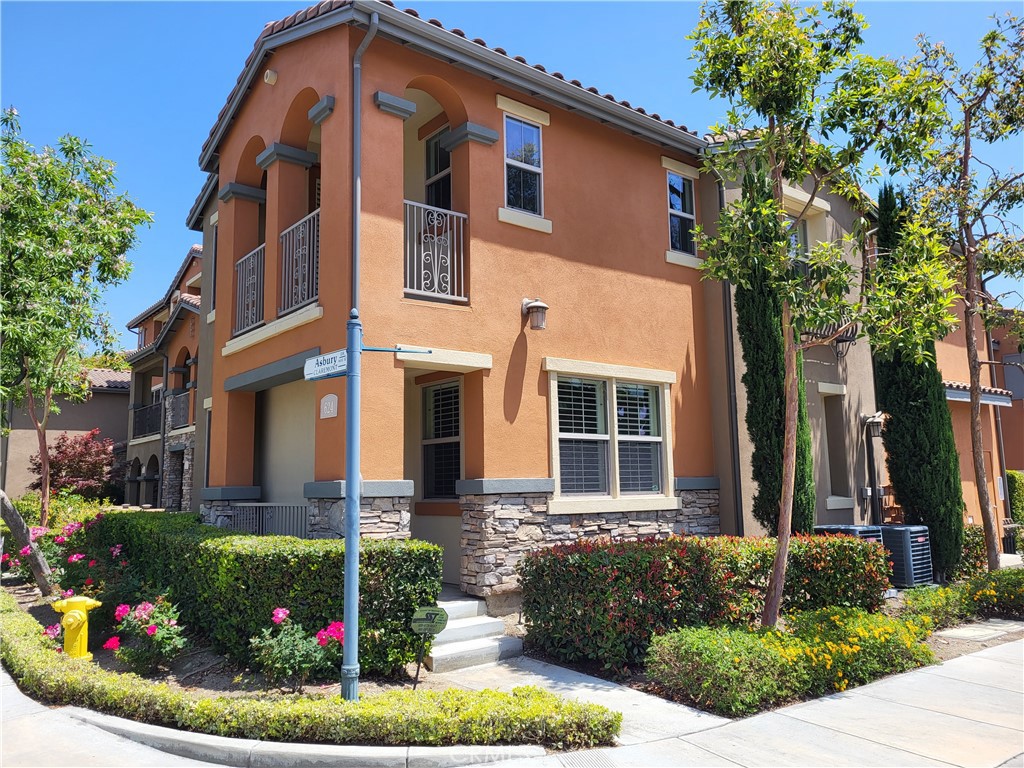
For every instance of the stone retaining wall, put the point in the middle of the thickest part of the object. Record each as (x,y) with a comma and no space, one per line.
(380,517)
(498,530)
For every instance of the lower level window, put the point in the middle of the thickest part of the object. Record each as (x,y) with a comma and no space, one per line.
(609,437)
(442,441)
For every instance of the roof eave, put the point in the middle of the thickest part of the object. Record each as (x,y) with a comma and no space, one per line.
(194,220)
(437,42)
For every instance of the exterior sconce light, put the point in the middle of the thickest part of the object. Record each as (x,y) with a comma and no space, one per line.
(270,77)
(537,311)
(874,424)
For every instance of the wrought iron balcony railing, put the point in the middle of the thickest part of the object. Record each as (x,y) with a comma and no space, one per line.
(180,410)
(249,290)
(300,263)
(146,420)
(435,253)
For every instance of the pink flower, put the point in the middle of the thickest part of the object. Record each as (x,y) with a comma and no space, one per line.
(59,540)
(121,611)
(5,558)
(52,631)
(143,611)
(123,563)
(88,582)
(151,630)
(116,550)
(113,643)
(172,622)
(100,515)
(333,631)
(15,562)
(36,531)
(58,649)
(67,593)
(76,557)
(92,563)
(280,614)
(25,551)
(71,528)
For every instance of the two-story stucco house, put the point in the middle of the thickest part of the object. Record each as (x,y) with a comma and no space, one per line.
(479,190)
(162,417)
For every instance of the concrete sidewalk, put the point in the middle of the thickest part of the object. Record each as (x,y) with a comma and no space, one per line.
(966,712)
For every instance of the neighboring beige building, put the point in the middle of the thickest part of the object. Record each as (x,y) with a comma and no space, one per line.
(839,383)
(104,410)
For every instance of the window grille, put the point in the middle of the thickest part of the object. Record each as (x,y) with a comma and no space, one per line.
(442,442)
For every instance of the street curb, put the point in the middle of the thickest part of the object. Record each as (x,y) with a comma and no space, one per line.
(251,753)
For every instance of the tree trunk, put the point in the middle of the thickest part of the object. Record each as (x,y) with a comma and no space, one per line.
(977,441)
(23,538)
(44,453)
(777,582)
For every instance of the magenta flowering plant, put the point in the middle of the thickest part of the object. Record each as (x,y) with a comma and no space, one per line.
(53,631)
(148,634)
(113,644)
(76,557)
(279,615)
(333,631)
(289,655)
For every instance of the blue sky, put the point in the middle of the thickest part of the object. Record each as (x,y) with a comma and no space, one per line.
(143,82)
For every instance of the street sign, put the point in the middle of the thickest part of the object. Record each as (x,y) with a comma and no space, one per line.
(429,621)
(326,366)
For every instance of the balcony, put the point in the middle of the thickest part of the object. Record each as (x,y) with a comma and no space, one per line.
(249,290)
(180,410)
(435,253)
(146,420)
(300,263)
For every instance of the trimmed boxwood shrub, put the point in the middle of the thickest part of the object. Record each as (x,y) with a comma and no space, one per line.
(525,716)
(975,557)
(227,584)
(602,601)
(1015,490)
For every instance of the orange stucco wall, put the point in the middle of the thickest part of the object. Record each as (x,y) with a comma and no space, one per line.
(613,297)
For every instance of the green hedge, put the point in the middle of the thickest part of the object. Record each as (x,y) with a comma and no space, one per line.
(601,601)
(975,557)
(742,671)
(1015,489)
(524,716)
(227,585)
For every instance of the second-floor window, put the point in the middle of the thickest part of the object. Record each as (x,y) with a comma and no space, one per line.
(523,168)
(438,172)
(681,218)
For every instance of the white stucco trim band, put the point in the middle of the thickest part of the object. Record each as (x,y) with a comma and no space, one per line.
(442,359)
(683,259)
(525,111)
(568,505)
(795,199)
(525,220)
(608,370)
(144,440)
(283,324)
(828,388)
(687,171)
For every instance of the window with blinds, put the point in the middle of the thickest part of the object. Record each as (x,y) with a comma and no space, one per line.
(442,440)
(590,454)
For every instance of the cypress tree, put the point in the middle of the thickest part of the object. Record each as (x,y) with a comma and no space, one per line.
(921,456)
(759,325)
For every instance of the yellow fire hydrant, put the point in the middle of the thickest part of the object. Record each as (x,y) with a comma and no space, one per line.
(76,624)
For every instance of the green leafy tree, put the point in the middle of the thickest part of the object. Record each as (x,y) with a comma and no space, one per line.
(113,360)
(973,204)
(759,325)
(65,236)
(924,468)
(805,109)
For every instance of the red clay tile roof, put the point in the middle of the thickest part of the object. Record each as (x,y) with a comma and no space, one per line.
(320,9)
(961,386)
(189,298)
(104,378)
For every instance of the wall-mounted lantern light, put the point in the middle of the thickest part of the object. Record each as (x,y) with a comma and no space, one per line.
(874,424)
(537,311)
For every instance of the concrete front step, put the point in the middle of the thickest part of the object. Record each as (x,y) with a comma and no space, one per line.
(463,608)
(470,653)
(472,628)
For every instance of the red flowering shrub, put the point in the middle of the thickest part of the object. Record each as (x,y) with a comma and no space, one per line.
(82,464)
(603,601)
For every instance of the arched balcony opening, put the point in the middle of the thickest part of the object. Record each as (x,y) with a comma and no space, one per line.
(298,176)
(182,390)
(250,192)
(435,196)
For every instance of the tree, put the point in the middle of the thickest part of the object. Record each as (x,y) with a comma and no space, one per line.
(972,203)
(113,360)
(64,239)
(82,464)
(806,108)
(921,455)
(23,538)
(759,326)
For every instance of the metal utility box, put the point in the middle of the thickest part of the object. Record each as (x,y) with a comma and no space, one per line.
(869,532)
(911,553)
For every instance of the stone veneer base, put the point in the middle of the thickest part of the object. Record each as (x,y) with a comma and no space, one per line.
(497,530)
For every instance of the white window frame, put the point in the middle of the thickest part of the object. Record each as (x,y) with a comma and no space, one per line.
(615,500)
(537,169)
(692,217)
(424,441)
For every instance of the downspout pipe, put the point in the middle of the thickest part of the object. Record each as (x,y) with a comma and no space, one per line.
(353,395)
